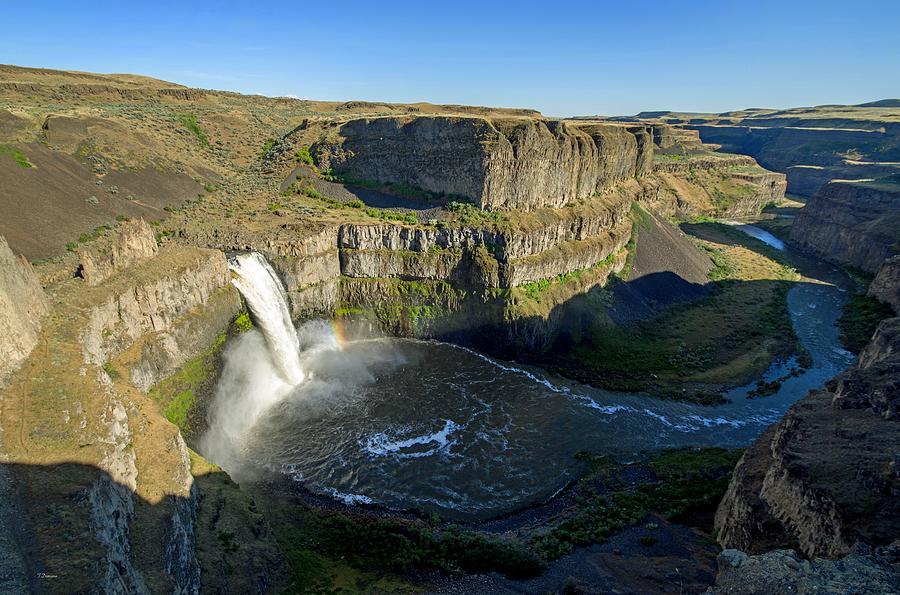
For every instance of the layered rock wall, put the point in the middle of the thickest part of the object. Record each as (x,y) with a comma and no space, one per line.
(500,164)
(886,284)
(22,306)
(852,223)
(133,242)
(155,304)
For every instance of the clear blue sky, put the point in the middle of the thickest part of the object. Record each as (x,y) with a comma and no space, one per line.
(561,57)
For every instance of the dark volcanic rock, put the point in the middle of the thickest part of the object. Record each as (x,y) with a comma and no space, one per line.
(499,163)
(782,571)
(886,285)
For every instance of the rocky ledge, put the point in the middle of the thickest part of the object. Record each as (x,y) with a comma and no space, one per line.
(22,305)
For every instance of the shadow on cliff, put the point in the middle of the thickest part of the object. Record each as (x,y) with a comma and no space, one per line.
(70,527)
(658,330)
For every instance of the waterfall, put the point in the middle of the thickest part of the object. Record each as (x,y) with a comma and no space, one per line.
(267,299)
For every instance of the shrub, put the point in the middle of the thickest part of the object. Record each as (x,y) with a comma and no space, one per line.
(17,156)
(303,156)
(267,146)
(111,371)
(469,214)
(189,121)
(243,322)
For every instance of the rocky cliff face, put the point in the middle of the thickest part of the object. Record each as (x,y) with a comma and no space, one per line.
(79,425)
(133,242)
(855,223)
(22,305)
(500,164)
(826,476)
(886,284)
(155,305)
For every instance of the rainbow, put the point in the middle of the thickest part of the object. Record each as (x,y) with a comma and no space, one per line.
(340,333)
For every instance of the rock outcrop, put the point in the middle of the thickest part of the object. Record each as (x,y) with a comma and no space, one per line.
(133,241)
(886,284)
(826,476)
(130,469)
(852,223)
(154,304)
(782,571)
(500,164)
(22,305)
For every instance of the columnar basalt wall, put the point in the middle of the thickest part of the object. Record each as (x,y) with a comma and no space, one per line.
(853,223)
(500,164)
(133,241)
(886,284)
(154,305)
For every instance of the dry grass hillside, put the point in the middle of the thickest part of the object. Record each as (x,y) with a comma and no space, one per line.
(79,150)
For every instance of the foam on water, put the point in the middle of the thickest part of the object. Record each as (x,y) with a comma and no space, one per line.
(382,444)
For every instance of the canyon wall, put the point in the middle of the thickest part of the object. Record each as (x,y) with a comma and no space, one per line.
(826,476)
(22,306)
(133,242)
(852,223)
(498,163)
(886,284)
(80,422)
(811,153)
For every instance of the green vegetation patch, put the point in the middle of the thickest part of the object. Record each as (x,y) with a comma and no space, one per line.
(468,214)
(537,290)
(16,155)
(395,546)
(94,234)
(178,393)
(723,339)
(267,146)
(860,316)
(689,481)
(400,304)
(303,156)
(189,121)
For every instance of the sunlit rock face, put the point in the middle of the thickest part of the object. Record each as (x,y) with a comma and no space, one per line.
(22,304)
(498,163)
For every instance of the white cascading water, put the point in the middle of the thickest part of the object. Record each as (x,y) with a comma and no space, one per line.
(267,299)
(262,366)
